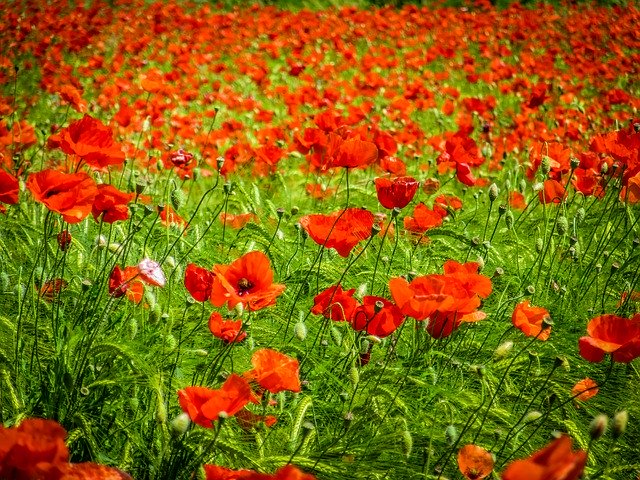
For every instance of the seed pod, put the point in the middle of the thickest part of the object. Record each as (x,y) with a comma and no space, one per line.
(580,214)
(539,245)
(177,198)
(545,165)
(354,375)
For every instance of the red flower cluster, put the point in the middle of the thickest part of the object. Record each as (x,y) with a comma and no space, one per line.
(35,450)
(247,281)
(272,371)
(131,280)
(447,300)
(375,315)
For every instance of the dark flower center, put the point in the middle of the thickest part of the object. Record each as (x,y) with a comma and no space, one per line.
(244,286)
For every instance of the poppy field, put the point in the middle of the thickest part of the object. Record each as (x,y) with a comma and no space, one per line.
(343,243)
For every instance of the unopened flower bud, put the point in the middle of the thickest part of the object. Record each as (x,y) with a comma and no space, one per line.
(532,416)
(451,435)
(562,225)
(180,424)
(494,191)
(502,209)
(598,426)
(220,163)
(294,210)
(300,331)
(508,219)
(64,240)
(574,163)
(545,165)
(503,349)
(620,420)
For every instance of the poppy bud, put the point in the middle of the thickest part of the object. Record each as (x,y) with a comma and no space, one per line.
(539,245)
(508,219)
(227,188)
(530,290)
(64,240)
(502,209)
(348,418)
(451,435)
(563,225)
(180,424)
(300,331)
(161,411)
(294,210)
(598,267)
(523,186)
(620,420)
(538,186)
(598,426)
(140,186)
(375,229)
(636,127)
(177,198)
(615,266)
(220,163)
(545,165)
(84,391)
(503,349)
(494,191)
(336,336)
(280,212)
(604,169)
(532,416)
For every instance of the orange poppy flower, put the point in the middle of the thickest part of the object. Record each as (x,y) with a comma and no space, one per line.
(248,280)
(274,371)
(111,203)
(9,188)
(91,141)
(335,303)
(446,300)
(529,319)
(238,221)
(169,217)
(204,405)
(474,462)
(52,288)
(354,153)
(585,389)
(31,449)
(612,334)
(553,192)
(377,316)
(70,194)
(423,219)
(90,471)
(230,331)
(341,230)
(396,193)
(288,472)
(199,282)
(555,461)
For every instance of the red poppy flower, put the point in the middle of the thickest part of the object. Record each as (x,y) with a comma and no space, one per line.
(230,331)
(9,188)
(529,319)
(249,420)
(89,471)
(247,280)
(553,192)
(341,230)
(288,472)
(335,303)
(92,141)
(169,217)
(52,288)
(204,405)
(32,449)
(396,193)
(464,175)
(378,316)
(354,153)
(274,371)
(127,282)
(423,219)
(584,389)
(612,334)
(444,203)
(238,221)
(555,461)
(199,282)
(111,203)
(70,194)
(474,462)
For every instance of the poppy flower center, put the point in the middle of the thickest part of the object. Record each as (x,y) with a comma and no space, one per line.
(244,286)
